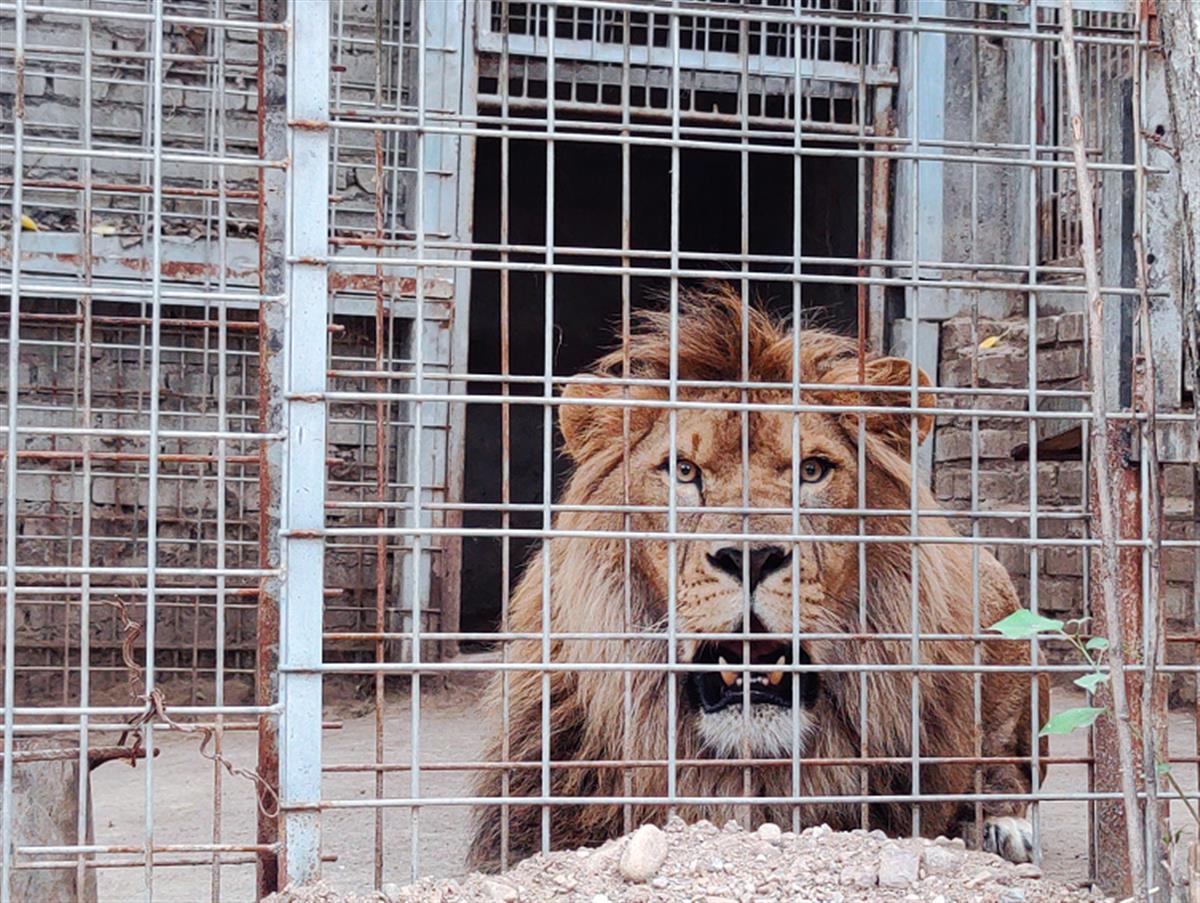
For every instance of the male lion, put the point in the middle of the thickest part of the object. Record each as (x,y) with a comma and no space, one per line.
(621,456)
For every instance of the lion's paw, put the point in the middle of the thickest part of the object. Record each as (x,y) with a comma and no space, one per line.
(1009,837)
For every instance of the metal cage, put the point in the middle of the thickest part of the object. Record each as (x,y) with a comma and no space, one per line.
(298,294)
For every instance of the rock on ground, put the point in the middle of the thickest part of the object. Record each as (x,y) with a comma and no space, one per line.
(701,864)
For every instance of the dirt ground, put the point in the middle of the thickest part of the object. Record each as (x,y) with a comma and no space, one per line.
(451,729)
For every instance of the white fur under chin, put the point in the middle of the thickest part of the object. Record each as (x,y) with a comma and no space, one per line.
(768,729)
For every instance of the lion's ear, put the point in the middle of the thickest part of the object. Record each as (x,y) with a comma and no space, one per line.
(586,427)
(891,372)
(591,429)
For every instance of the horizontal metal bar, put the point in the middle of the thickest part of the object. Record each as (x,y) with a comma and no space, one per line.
(689,667)
(883,539)
(253,25)
(442,125)
(734,800)
(801,278)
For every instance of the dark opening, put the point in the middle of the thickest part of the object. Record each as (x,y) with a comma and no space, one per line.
(587,307)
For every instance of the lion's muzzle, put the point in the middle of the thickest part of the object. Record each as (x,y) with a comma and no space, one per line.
(712,691)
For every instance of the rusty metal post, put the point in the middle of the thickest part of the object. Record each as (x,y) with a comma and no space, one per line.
(1112,853)
(272,145)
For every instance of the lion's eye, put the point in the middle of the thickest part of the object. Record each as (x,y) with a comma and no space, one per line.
(685,471)
(814,470)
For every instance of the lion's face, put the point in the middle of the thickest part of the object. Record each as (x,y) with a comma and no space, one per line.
(724,485)
(761,471)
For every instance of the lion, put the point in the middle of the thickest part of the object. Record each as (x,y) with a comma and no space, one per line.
(761,722)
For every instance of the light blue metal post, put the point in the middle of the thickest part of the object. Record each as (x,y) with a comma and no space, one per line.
(303,501)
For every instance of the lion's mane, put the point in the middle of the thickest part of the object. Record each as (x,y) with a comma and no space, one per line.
(598,718)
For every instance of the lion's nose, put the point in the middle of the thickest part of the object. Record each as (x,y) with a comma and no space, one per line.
(764,561)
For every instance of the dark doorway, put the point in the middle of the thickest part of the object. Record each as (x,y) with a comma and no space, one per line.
(587,307)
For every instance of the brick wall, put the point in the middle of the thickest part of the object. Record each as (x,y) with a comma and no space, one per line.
(1003,468)
(52,496)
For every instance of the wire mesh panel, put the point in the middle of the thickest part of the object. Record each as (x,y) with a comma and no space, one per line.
(675,529)
(470,429)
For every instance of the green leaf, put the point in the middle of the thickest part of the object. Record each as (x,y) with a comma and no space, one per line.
(1023,624)
(1090,681)
(1096,642)
(1162,769)
(1070,720)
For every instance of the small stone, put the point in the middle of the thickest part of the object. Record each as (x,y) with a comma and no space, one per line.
(938,899)
(499,891)
(878,835)
(898,867)
(644,854)
(1026,870)
(674,824)
(859,876)
(979,878)
(732,827)
(716,864)
(600,898)
(704,826)
(392,892)
(769,832)
(859,832)
(943,860)
(1012,895)
(660,883)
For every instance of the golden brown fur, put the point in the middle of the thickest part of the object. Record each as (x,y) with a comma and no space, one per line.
(617,452)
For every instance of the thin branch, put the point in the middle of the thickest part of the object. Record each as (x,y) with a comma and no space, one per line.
(1101,463)
(1147,395)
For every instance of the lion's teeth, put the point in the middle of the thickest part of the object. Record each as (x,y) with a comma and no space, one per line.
(774,678)
(728,676)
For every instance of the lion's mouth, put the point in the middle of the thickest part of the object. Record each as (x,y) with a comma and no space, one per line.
(712,691)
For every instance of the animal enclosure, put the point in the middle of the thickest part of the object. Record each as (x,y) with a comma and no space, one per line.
(303,299)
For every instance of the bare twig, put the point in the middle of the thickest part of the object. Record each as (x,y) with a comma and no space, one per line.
(1101,464)
(1148,398)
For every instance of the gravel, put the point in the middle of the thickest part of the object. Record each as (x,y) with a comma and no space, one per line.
(703,864)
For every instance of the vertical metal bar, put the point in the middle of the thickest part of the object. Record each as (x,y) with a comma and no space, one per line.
(1032,423)
(547,413)
(917,234)
(10,461)
(416,447)
(505,429)
(218,44)
(156,196)
(745,812)
(627,745)
(85,416)
(380,411)
(304,465)
(673,424)
(272,136)
(797,375)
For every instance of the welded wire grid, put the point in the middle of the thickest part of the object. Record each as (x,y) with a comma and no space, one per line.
(726,79)
(165,465)
(141,508)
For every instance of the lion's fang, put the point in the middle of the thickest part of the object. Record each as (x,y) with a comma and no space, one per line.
(728,676)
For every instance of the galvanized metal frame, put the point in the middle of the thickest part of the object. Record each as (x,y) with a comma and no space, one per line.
(413,268)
